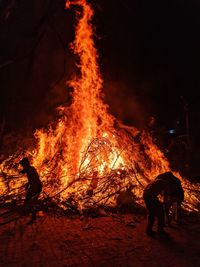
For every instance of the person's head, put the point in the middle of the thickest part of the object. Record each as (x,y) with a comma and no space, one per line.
(24,162)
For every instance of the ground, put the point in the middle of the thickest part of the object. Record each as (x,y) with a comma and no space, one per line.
(109,240)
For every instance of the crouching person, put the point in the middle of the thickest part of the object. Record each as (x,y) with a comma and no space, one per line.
(174,199)
(33,187)
(155,206)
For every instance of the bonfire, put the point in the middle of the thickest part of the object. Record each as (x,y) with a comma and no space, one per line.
(88,154)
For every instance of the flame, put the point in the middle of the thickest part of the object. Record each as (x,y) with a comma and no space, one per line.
(87,152)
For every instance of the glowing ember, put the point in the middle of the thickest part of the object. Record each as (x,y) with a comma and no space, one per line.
(87,152)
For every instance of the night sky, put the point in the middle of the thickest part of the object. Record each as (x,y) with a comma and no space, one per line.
(149,57)
(154,46)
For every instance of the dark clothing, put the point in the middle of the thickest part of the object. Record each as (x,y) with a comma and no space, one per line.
(32,194)
(34,189)
(176,193)
(34,183)
(154,206)
(155,209)
(157,187)
(176,190)
(33,178)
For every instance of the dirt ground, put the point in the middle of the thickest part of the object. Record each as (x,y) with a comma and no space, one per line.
(112,240)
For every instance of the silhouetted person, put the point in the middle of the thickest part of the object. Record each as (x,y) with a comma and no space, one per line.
(33,187)
(175,197)
(155,206)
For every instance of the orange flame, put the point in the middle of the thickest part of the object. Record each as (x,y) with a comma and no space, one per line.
(87,152)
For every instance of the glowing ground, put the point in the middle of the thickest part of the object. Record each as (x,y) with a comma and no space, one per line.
(104,241)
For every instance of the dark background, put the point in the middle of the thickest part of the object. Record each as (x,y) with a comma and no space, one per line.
(149,58)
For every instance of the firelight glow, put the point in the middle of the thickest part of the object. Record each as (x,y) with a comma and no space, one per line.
(87,152)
